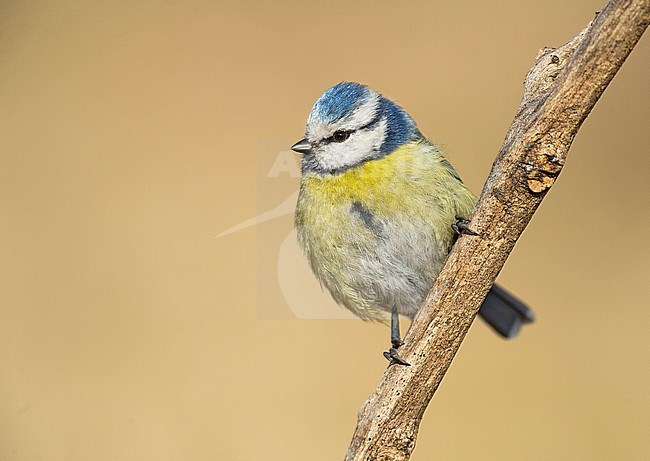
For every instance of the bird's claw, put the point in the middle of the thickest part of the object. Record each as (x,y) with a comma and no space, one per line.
(461,227)
(393,357)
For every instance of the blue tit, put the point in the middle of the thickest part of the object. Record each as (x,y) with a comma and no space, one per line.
(379,209)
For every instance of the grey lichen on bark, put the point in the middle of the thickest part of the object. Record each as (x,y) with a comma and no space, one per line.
(559,92)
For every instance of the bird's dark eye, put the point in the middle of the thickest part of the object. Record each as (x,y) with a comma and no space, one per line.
(340,135)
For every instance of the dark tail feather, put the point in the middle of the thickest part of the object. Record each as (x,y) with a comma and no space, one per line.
(505,313)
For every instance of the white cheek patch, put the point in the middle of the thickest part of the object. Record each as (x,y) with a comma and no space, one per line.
(361,116)
(360,146)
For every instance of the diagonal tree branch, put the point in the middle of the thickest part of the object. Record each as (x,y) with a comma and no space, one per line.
(559,92)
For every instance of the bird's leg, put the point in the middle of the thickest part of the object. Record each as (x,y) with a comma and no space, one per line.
(392,356)
(395,340)
(461,227)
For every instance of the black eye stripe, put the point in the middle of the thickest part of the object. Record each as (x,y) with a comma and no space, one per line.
(331,139)
(368,125)
(373,123)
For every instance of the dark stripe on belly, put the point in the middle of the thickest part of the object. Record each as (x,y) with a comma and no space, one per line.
(367,218)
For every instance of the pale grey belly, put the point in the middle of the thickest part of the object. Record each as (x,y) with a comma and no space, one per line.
(401,268)
(381,266)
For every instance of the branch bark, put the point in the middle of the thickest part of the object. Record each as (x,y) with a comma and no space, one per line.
(559,92)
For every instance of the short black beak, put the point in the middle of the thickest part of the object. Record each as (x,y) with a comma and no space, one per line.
(302,147)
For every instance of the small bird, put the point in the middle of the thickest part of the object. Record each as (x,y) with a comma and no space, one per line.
(379,209)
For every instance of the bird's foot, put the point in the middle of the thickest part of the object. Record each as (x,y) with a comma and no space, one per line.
(392,356)
(461,227)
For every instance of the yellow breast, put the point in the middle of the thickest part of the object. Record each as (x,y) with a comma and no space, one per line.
(414,179)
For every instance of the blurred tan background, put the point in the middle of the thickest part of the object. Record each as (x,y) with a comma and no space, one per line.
(132,133)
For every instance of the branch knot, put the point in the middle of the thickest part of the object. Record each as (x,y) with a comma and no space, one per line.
(542,169)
